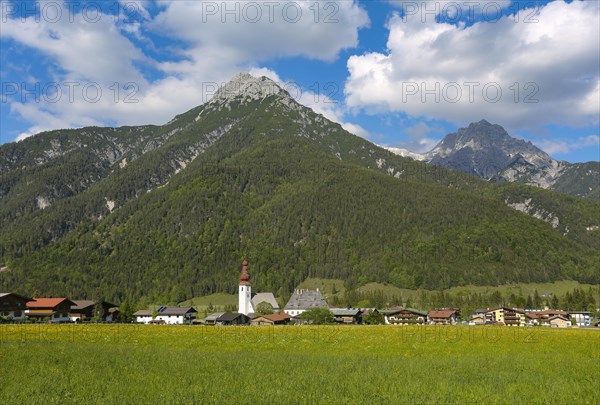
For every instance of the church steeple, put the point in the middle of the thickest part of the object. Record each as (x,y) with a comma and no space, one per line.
(245,277)
(245,291)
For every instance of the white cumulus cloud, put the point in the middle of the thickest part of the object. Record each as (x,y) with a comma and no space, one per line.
(514,71)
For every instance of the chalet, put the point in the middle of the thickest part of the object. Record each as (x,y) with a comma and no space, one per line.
(477,319)
(143,316)
(83,310)
(303,300)
(167,315)
(55,310)
(504,316)
(404,316)
(346,315)
(266,297)
(212,318)
(559,321)
(581,318)
(13,306)
(273,319)
(444,316)
(232,318)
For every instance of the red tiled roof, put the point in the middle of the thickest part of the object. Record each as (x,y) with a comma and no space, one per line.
(45,302)
(446,313)
(277,317)
(553,312)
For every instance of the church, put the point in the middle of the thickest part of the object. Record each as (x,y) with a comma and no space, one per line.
(247,303)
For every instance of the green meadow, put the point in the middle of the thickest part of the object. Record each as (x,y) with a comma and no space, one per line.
(152,364)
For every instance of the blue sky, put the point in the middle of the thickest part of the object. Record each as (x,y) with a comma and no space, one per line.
(399,73)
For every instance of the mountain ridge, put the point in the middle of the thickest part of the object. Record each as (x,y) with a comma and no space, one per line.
(267,178)
(487,151)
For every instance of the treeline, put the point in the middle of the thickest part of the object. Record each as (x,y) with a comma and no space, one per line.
(579,299)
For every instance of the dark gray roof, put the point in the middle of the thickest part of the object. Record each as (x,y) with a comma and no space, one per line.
(306,299)
(16,295)
(175,310)
(230,316)
(82,304)
(345,311)
(166,311)
(214,317)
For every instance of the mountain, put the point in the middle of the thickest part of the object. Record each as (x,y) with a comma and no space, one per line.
(487,151)
(168,212)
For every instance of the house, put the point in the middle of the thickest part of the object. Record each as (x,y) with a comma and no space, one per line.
(143,316)
(559,321)
(167,315)
(537,317)
(477,319)
(404,316)
(55,310)
(273,319)
(13,305)
(267,297)
(581,318)
(84,311)
(232,318)
(346,315)
(444,316)
(303,300)
(212,318)
(504,316)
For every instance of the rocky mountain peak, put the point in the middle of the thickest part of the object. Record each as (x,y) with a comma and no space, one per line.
(246,87)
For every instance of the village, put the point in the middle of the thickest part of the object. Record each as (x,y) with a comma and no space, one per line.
(305,306)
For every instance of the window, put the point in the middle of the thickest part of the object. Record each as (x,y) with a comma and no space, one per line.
(17,313)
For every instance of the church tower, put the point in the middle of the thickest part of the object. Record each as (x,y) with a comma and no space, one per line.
(245,291)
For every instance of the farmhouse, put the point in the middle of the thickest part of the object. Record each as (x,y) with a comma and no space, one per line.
(477,319)
(559,321)
(273,319)
(55,310)
(166,315)
(346,315)
(303,300)
(212,318)
(232,318)
(13,305)
(444,316)
(404,316)
(83,310)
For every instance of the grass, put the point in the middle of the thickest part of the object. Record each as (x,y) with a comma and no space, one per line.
(217,300)
(51,364)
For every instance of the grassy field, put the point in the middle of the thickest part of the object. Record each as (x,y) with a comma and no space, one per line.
(121,364)
(217,300)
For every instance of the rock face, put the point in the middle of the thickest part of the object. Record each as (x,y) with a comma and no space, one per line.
(487,151)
